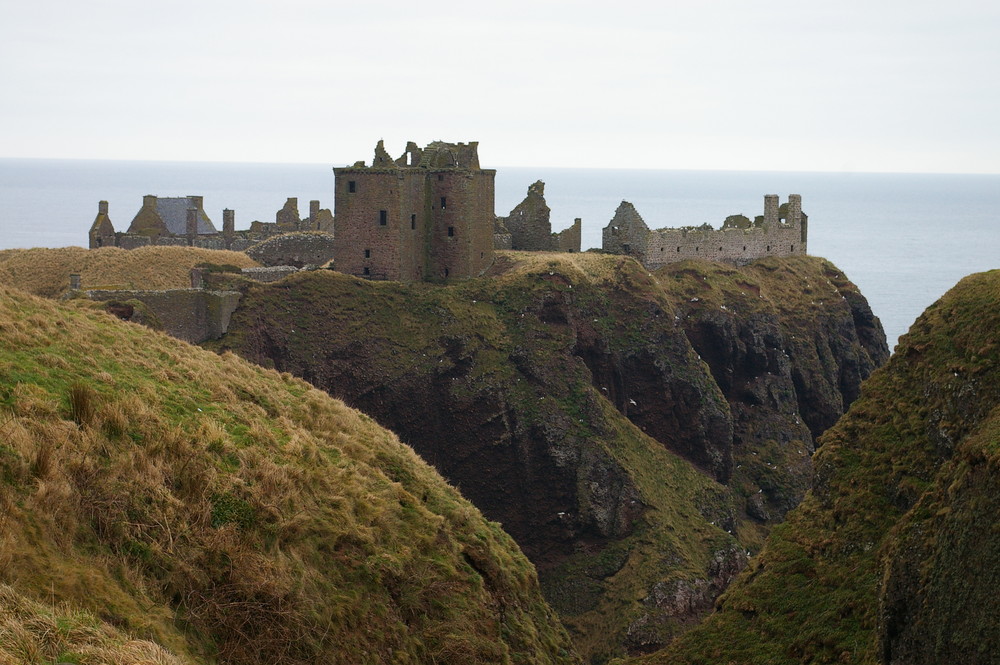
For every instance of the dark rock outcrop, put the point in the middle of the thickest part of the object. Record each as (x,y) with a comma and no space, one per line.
(623,429)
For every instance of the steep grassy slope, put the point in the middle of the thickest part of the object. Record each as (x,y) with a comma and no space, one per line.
(45,272)
(893,556)
(159,503)
(565,395)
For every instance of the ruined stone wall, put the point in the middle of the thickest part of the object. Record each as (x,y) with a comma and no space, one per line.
(294,249)
(778,233)
(529,222)
(271,274)
(569,240)
(192,315)
(739,246)
(626,233)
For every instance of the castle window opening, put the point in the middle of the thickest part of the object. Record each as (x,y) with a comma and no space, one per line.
(440,177)
(368,270)
(444,202)
(720,249)
(352,186)
(383,217)
(791,248)
(744,248)
(368,253)
(678,249)
(451,231)
(413,221)
(445,272)
(769,248)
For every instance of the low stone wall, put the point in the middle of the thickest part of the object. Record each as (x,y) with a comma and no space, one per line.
(192,315)
(294,249)
(271,274)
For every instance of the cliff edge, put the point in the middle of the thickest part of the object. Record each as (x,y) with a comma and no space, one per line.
(637,433)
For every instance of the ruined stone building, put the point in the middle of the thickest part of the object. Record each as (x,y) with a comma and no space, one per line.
(427,215)
(528,227)
(780,231)
(182,220)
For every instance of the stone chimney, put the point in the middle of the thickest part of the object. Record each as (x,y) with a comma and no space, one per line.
(794,214)
(314,215)
(102,208)
(192,225)
(228,223)
(771,210)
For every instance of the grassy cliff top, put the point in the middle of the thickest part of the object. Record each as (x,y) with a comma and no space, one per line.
(164,504)
(890,558)
(45,272)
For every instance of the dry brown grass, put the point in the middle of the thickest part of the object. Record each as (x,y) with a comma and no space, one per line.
(45,272)
(229,513)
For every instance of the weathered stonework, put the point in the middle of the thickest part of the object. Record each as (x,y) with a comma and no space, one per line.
(425,216)
(528,228)
(781,231)
(182,221)
(270,274)
(294,249)
(193,315)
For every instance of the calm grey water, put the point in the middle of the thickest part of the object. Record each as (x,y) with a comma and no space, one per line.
(904,239)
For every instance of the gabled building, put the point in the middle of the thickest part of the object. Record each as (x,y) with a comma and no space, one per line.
(427,215)
(171,216)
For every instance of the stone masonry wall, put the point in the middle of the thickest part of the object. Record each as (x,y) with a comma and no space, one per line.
(297,249)
(569,240)
(627,233)
(192,315)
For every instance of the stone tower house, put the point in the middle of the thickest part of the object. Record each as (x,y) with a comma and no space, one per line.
(427,215)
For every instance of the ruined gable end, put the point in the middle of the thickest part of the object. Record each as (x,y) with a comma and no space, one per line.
(102,232)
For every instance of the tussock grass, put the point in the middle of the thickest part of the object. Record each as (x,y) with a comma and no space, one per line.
(207,510)
(45,272)
(888,559)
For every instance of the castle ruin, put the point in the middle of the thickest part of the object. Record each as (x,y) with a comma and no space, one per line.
(780,231)
(182,220)
(427,215)
(528,228)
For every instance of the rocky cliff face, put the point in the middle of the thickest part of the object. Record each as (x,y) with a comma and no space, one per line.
(635,433)
(891,558)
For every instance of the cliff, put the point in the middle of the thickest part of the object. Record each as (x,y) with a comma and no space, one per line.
(159,503)
(892,557)
(637,434)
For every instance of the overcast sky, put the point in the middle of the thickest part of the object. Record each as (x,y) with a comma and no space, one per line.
(851,85)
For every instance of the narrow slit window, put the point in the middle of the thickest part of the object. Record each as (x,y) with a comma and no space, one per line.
(413,221)
(352,186)
(444,202)
(451,231)
(368,271)
(383,217)
(368,253)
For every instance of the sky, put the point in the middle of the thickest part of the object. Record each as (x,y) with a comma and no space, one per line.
(770,85)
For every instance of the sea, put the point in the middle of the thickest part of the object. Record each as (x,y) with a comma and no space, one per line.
(904,239)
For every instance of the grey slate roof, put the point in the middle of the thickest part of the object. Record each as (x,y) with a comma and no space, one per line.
(173,212)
